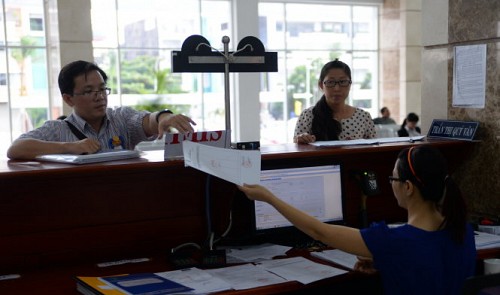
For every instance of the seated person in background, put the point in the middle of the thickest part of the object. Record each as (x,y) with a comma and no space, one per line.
(385,118)
(409,126)
(92,126)
(432,254)
(331,118)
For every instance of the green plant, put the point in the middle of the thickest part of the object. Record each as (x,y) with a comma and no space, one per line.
(22,53)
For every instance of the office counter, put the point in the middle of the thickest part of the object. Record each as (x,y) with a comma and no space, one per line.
(55,213)
(58,216)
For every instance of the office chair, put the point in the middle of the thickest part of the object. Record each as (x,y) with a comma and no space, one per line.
(476,285)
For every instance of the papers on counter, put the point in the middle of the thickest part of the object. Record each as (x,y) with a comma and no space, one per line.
(367,141)
(199,280)
(337,256)
(144,283)
(300,269)
(238,277)
(111,155)
(246,276)
(486,240)
(257,253)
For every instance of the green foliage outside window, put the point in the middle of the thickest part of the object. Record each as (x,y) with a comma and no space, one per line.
(367,82)
(20,55)
(142,75)
(38,116)
(157,105)
(298,78)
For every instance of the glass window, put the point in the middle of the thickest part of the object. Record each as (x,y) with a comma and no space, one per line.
(306,36)
(36,24)
(134,47)
(24,91)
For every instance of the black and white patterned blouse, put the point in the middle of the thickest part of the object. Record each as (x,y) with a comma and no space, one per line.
(359,125)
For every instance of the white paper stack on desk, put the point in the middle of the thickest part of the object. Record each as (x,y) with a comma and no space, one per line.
(111,155)
(486,240)
(337,256)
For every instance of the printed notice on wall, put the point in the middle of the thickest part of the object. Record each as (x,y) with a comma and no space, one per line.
(469,76)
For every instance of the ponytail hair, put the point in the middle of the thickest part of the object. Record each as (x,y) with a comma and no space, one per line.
(411,117)
(426,168)
(324,127)
(454,210)
(404,124)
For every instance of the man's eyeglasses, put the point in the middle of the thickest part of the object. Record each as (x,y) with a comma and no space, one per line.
(90,93)
(392,178)
(341,83)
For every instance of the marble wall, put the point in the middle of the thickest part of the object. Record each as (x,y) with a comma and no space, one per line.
(468,22)
(390,31)
(400,55)
(75,41)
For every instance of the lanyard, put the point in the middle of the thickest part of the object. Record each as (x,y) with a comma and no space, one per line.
(75,131)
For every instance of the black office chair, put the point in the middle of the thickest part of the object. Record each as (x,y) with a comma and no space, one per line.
(477,284)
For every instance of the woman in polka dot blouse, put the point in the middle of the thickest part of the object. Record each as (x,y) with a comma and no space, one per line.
(331,118)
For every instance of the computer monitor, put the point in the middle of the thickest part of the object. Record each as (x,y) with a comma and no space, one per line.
(314,189)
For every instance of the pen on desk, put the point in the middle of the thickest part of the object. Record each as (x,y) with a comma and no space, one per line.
(124,261)
(30,163)
(10,277)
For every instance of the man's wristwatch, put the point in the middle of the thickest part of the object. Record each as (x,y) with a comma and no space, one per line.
(162,112)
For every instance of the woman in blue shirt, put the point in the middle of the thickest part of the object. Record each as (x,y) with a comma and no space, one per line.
(433,253)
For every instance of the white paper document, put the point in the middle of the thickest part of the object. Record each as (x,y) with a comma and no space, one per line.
(109,155)
(486,240)
(469,76)
(300,269)
(337,256)
(199,280)
(246,276)
(236,166)
(367,141)
(258,253)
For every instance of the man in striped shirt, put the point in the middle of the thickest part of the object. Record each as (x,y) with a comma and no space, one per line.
(92,126)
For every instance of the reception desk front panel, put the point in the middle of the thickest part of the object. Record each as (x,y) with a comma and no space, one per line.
(53,214)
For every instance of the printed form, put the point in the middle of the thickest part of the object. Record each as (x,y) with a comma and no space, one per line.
(236,166)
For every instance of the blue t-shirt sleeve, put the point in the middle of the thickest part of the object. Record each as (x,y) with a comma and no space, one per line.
(375,237)
(383,244)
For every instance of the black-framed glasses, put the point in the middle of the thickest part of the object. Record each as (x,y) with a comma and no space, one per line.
(94,93)
(341,83)
(392,178)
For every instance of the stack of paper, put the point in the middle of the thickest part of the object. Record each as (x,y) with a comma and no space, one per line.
(363,141)
(300,269)
(337,256)
(111,155)
(245,276)
(198,281)
(186,281)
(486,240)
(492,229)
(257,253)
